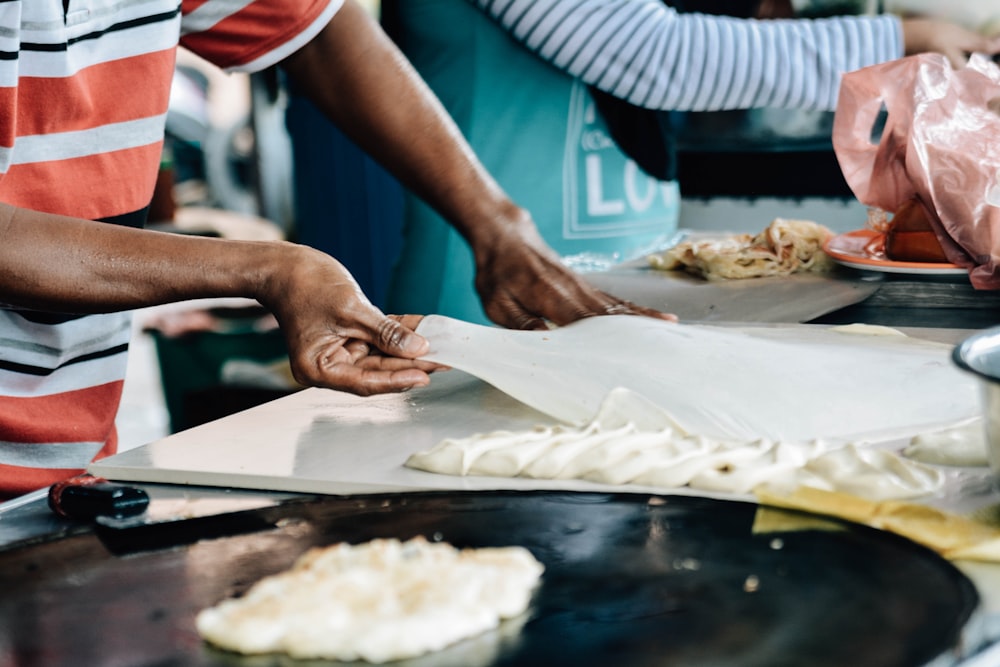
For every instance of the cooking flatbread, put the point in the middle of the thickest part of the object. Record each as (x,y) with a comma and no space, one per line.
(379,601)
(784,247)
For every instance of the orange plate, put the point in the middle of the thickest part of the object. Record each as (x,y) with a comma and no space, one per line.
(850,249)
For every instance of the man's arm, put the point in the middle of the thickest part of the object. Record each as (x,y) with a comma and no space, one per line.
(355,74)
(64,264)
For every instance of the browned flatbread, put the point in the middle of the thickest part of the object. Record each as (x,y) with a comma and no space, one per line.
(784,247)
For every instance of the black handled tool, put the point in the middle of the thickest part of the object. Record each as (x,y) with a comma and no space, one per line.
(87,497)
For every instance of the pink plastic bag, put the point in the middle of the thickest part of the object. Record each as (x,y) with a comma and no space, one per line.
(941,143)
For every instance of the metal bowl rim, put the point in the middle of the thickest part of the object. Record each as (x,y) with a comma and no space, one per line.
(963,352)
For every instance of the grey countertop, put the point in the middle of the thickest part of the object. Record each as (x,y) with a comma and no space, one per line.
(842,296)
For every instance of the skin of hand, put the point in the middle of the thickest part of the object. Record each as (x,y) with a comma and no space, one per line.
(923,35)
(356,76)
(336,337)
(518,277)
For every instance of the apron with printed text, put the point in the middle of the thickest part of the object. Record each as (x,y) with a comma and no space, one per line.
(539,134)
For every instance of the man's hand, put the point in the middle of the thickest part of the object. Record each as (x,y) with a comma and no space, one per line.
(361,81)
(336,337)
(923,35)
(523,284)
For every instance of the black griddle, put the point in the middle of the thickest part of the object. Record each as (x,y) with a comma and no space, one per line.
(630,581)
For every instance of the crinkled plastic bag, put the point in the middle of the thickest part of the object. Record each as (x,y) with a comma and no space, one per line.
(940,143)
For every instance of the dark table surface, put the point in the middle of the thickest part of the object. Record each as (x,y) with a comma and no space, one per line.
(630,580)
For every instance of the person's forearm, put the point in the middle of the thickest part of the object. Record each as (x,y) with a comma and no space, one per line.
(356,76)
(63,264)
(652,56)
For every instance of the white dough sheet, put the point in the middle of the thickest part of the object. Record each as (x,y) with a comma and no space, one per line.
(796,384)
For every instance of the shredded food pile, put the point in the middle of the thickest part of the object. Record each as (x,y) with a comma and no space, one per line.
(783,248)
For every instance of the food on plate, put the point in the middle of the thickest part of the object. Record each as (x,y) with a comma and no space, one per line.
(909,236)
(379,601)
(784,247)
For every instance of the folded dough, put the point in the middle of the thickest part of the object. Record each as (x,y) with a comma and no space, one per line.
(610,452)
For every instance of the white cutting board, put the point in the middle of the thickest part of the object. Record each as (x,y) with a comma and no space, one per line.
(322,441)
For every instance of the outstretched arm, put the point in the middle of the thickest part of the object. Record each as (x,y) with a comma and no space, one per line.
(359,79)
(336,337)
(648,54)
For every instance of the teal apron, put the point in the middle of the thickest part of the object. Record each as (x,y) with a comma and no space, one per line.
(539,134)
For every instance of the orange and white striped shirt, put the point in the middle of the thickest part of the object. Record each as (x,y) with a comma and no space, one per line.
(84,91)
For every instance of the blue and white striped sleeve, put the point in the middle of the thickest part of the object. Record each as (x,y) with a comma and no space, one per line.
(646,53)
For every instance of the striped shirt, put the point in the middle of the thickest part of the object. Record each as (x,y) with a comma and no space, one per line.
(83,102)
(646,53)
